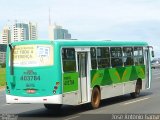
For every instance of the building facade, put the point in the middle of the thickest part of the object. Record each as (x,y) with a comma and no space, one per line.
(19,31)
(57,32)
(3,48)
(23,31)
(33,34)
(5,35)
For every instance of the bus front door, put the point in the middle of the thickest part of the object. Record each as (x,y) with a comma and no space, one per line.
(148,74)
(82,69)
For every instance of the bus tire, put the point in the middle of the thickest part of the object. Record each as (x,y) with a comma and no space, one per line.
(53,106)
(95,98)
(137,90)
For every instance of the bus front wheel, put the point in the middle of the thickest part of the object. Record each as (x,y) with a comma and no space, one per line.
(53,106)
(96,98)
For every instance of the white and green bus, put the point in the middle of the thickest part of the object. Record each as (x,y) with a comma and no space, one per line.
(75,72)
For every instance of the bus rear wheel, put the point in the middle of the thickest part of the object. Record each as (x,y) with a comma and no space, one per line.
(137,91)
(53,106)
(96,98)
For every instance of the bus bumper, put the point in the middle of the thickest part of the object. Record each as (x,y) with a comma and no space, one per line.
(55,99)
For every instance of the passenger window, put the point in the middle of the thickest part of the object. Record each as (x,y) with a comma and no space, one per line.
(116,56)
(138,56)
(128,56)
(93,58)
(68,58)
(103,57)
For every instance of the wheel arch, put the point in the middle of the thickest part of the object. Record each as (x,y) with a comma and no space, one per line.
(98,86)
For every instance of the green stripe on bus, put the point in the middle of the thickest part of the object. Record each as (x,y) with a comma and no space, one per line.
(110,76)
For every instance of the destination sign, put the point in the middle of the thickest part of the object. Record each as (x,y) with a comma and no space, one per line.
(33,55)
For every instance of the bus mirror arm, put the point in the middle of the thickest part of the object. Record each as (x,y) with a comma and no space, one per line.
(11,59)
(10,46)
(12,78)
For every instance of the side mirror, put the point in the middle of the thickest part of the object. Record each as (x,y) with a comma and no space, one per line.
(152,52)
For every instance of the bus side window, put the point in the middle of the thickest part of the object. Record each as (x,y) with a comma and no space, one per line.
(116,56)
(138,56)
(103,57)
(69,61)
(128,56)
(93,58)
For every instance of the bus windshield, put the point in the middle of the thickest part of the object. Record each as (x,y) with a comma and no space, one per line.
(32,55)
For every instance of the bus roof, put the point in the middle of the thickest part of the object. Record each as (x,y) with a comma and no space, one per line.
(62,42)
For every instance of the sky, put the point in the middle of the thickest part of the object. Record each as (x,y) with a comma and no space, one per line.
(129,20)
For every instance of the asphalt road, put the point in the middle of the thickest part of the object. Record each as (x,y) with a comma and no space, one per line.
(148,102)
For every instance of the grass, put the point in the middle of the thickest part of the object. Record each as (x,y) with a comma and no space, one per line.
(2,77)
